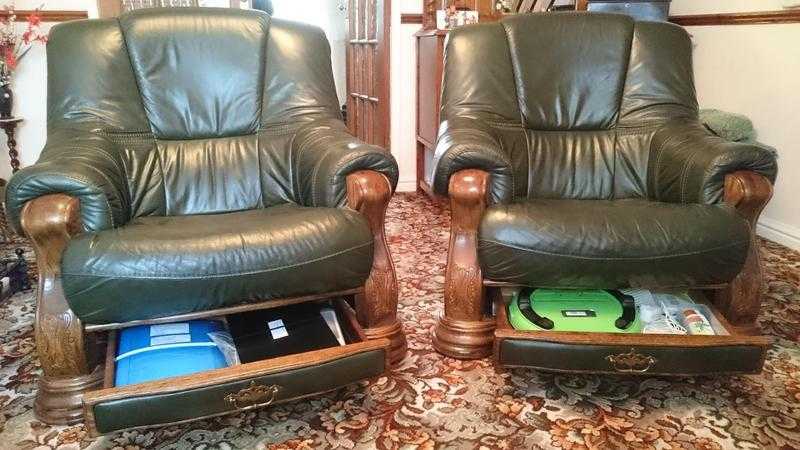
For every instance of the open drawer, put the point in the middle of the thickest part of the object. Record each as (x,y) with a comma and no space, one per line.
(637,354)
(237,388)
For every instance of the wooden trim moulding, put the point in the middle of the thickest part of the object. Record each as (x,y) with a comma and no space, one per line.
(747,18)
(410,18)
(47,15)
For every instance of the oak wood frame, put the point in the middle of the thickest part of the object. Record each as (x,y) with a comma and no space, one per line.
(465,331)
(69,357)
(746,18)
(67,365)
(47,15)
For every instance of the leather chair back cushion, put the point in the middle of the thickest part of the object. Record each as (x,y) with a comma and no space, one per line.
(580,98)
(218,93)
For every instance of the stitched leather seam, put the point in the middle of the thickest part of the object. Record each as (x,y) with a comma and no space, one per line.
(279,129)
(656,170)
(267,25)
(505,125)
(685,176)
(126,134)
(609,258)
(624,88)
(225,275)
(314,182)
(516,73)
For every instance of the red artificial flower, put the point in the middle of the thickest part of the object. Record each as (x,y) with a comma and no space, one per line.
(10,58)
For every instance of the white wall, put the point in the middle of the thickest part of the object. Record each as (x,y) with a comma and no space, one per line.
(30,85)
(404,93)
(755,70)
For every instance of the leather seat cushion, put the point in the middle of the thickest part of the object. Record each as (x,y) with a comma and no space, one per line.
(612,244)
(162,266)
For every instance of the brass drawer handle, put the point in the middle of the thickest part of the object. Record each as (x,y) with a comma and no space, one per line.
(253,395)
(631,362)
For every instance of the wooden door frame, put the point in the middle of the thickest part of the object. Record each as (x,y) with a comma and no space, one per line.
(385,114)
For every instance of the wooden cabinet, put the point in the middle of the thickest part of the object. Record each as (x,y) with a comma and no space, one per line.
(430,64)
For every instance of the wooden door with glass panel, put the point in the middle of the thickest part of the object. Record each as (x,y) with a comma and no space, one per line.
(368,70)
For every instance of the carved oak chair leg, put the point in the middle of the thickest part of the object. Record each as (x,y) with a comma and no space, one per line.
(463,331)
(49,222)
(369,192)
(740,301)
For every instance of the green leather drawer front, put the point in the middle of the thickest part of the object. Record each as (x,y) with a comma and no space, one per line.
(164,408)
(637,360)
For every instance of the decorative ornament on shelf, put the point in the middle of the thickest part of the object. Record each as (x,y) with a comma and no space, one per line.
(13,47)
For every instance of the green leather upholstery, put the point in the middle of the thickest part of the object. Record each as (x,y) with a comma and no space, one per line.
(572,113)
(589,243)
(210,121)
(201,262)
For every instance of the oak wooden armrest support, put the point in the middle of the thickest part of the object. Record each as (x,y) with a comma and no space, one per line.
(69,367)
(369,192)
(464,331)
(740,301)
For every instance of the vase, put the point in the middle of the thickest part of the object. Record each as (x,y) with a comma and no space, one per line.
(6,101)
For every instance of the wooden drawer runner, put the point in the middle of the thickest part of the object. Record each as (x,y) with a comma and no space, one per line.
(631,354)
(237,388)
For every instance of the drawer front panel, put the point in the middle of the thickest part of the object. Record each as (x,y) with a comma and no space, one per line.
(232,396)
(640,360)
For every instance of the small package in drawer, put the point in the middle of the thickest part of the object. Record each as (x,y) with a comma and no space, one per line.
(284,331)
(152,352)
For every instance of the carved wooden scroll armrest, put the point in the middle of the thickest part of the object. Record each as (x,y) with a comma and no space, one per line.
(369,193)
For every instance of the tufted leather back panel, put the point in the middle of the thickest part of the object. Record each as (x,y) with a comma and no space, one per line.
(574,98)
(203,102)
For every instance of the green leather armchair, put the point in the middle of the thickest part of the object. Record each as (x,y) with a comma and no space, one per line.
(572,153)
(196,160)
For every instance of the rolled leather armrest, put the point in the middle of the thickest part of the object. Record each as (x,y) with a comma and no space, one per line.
(688,163)
(469,144)
(81,164)
(325,153)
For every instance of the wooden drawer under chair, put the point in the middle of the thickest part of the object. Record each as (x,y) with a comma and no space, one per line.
(237,388)
(629,354)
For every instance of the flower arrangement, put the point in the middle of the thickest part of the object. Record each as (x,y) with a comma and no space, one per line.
(13,45)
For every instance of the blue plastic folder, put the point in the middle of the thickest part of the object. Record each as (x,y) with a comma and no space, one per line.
(152,352)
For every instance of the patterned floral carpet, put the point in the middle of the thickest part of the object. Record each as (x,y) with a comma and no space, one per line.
(434,402)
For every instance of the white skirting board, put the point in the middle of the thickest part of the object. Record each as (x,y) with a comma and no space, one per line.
(406,186)
(779,232)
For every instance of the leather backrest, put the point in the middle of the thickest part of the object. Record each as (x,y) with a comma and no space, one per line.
(198,71)
(574,97)
(203,102)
